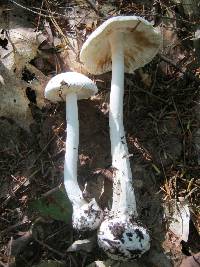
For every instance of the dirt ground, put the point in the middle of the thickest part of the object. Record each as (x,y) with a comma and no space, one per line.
(161,118)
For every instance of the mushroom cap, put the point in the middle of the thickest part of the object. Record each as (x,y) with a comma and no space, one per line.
(87,217)
(122,239)
(141,43)
(69,82)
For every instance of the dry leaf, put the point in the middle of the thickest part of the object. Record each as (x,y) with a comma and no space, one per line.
(20,45)
(179,221)
(85,245)
(193,261)
(78,17)
(14,102)
(20,243)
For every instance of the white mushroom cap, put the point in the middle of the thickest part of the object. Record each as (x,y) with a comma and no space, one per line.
(141,43)
(87,217)
(63,84)
(123,239)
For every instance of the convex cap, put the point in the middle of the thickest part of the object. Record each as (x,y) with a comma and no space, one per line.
(140,39)
(66,83)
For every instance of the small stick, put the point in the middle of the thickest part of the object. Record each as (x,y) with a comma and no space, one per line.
(177,67)
(62,255)
(28,9)
(9,250)
(13,227)
(175,107)
(3,264)
(92,5)
(55,189)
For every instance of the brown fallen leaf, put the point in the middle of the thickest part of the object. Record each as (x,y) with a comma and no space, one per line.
(20,243)
(20,46)
(14,103)
(13,95)
(192,261)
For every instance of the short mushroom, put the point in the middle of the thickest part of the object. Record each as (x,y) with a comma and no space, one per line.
(121,44)
(70,87)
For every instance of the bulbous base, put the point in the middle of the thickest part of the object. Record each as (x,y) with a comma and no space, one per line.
(87,217)
(123,239)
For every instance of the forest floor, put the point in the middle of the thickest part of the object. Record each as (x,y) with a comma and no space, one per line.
(161,119)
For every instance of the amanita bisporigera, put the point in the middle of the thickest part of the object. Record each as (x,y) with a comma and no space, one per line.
(121,44)
(70,87)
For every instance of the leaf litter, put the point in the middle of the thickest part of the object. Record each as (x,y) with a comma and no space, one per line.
(161,120)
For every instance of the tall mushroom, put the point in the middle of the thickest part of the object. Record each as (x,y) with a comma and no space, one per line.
(70,87)
(121,44)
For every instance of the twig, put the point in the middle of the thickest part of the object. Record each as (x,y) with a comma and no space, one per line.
(92,5)
(160,142)
(146,92)
(9,250)
(3,264)
(186,181)
(45,147)
(57,232)
(28,9)
(62,255)
(16,189)
(98,12)
(64,16)
(54,22)
(168,18)
(13,227)
(55,189)
(175,107)
(191,192)
(177,67)
(38,23)
(170,61)
(152,95)
(183,131)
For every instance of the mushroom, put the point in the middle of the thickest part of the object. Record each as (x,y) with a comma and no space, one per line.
(70,87)
(121,44)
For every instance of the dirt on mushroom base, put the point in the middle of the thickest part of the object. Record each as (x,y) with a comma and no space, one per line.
(159,120)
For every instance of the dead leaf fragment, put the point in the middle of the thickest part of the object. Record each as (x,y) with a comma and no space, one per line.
(193,261)
(19,48)
(85,245)
(20,243)
(14,103)
(180,219)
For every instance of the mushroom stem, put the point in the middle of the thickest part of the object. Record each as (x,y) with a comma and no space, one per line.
(72,86)
(119,149)
(71,156)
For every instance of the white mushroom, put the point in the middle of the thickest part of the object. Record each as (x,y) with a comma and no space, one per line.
(70,87)
(121,44)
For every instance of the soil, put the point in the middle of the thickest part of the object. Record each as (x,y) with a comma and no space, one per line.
(161,120)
